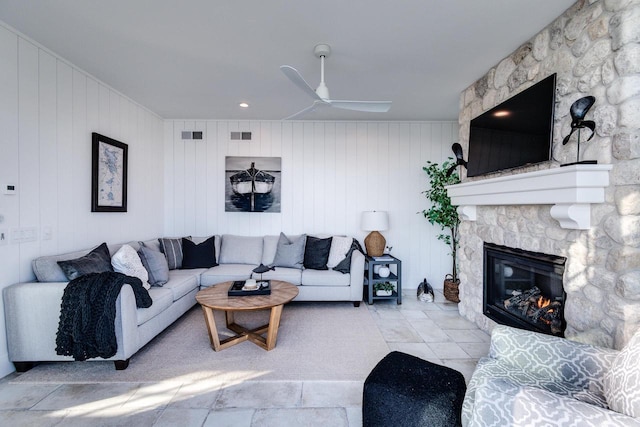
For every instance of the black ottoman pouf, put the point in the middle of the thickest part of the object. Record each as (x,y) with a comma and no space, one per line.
(405,391)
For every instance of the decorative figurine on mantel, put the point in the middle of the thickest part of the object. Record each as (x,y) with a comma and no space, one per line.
(460,161)
(578,110)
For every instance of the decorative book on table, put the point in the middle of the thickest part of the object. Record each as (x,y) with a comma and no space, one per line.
(237,288)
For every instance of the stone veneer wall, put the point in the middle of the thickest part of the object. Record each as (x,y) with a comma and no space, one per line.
(594,48)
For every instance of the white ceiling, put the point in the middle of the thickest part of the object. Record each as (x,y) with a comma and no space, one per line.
(198,59)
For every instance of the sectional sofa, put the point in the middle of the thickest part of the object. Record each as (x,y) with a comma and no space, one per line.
(32,309)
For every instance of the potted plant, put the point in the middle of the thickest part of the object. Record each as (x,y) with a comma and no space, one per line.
(445,215)
(384,289)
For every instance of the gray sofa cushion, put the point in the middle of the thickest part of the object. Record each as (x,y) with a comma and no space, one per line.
(181,284)
(46,268)
(162,299)
(291,275)
(312,277)
(269,246)
(240,250)
(226,272)
(96,261)
(290,252)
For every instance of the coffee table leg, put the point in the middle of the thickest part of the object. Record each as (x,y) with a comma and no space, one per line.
(274,323)
(229,317)
(211,327)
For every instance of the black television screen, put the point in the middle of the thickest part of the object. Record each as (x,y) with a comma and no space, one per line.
(515,133)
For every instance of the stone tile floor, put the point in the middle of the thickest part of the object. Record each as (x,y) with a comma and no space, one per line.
(432,331)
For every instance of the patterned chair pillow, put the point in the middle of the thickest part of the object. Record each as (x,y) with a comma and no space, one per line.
(502,403)
(622,382)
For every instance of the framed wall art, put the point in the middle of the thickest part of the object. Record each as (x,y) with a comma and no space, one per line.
(253,184)
(108,174)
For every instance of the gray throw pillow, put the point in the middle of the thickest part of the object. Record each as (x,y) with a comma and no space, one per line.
(96,261)
(156,265)
(172,250)
(290,253)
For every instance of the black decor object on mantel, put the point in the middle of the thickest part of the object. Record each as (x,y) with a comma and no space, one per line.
(578,111)
(460,161)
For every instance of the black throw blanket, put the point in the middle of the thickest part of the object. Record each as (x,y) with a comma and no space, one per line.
(87,317)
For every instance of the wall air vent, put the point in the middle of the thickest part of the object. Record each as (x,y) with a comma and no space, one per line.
(244,136)
(187,134)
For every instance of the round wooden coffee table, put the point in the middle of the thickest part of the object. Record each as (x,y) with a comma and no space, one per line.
(216,298)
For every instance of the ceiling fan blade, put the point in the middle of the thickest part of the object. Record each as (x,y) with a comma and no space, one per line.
(297,79)
(304,111)
(368,106)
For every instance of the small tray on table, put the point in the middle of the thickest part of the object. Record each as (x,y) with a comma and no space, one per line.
(236,288)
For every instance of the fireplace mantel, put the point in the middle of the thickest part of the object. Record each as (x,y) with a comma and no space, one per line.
(570,189)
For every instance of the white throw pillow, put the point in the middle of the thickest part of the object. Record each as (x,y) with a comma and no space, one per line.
(622,382)
(127,261)
(339,247)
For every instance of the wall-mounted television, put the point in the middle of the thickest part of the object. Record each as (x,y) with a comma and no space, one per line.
(515,133)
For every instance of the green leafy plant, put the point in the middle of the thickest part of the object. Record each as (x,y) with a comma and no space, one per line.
(384,286)
(441,211)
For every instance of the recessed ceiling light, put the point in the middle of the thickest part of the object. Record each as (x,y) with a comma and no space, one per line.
(501,113)
(244,105)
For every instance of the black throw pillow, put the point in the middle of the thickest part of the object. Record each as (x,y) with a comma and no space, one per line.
(96,261)
(316,253)
(202,255)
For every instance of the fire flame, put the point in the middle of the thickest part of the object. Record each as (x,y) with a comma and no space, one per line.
(543,302)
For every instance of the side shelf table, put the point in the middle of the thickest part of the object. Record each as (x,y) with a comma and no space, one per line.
(371,278)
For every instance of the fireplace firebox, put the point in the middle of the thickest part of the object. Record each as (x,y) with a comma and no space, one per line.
(524,289)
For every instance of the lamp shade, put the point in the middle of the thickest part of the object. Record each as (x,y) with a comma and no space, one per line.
(374,221)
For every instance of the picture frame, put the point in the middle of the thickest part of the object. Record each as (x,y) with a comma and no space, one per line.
(253,184)
(108,174)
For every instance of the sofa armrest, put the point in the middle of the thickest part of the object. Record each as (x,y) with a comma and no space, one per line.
(357,275)
(501,403)
(32,313)
(557,359)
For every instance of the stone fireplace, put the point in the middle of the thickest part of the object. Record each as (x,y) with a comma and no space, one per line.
(588,214)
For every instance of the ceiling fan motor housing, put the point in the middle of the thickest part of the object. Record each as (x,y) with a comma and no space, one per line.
(322,50)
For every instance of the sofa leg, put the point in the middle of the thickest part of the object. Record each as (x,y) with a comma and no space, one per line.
(356,303)
(121,365)
(23,366)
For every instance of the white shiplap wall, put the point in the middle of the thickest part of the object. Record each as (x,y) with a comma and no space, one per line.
(331,172)
(48,109)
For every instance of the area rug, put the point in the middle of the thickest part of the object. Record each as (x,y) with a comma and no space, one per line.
(316,341)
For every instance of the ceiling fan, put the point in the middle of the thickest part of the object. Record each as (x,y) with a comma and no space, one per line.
(321,94)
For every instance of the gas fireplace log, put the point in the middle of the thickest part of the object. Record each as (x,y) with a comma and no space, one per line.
(518,300)
(547,313)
